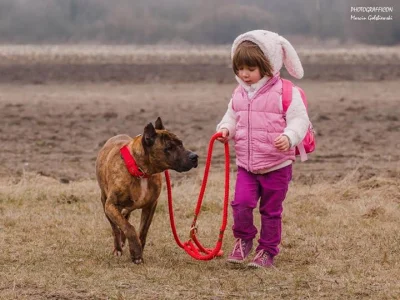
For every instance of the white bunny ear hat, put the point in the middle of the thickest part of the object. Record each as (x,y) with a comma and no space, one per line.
(276,48)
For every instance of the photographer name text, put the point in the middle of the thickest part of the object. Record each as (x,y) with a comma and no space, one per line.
(380,10)
(371,18)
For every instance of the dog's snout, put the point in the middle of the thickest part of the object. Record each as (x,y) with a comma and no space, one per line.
(193,158)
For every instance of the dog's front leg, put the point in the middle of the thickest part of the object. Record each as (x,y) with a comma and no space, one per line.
(129,231)
(145,221)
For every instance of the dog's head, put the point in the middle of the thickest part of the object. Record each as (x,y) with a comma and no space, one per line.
(165,150)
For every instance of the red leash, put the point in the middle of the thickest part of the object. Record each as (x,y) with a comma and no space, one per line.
(193,246)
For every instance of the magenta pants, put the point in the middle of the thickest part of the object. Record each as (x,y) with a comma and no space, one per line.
(271,189)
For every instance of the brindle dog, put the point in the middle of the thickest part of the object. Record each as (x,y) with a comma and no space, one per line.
(155,151)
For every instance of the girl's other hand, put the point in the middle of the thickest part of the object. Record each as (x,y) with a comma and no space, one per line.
(225,135)
(282,143)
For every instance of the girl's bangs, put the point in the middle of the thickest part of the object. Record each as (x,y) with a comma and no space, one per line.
(244,58)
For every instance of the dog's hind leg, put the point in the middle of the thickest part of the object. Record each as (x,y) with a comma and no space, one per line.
(145,221)
(117,233)
(123,237)
(129,231)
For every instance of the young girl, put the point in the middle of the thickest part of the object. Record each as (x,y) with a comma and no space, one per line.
(264,138)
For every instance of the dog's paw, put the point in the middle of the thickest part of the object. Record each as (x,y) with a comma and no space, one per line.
(117,252)
(137,261)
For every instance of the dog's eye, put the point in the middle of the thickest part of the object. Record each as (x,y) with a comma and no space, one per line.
(169,148)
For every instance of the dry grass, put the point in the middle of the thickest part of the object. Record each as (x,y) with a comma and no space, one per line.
(163,54)
(340,241)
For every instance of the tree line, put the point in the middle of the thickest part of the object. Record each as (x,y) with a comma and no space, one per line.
(190,21)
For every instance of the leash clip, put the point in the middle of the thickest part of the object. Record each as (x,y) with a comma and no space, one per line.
(193,229)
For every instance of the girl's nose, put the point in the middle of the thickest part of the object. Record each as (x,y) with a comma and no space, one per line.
(245,74)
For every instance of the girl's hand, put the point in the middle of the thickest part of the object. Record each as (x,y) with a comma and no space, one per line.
(225,135)
(282,143)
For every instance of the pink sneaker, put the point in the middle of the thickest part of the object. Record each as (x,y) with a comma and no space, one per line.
(262,260)
(240,251)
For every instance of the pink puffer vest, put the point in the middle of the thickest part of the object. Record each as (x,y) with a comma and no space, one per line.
(258,122)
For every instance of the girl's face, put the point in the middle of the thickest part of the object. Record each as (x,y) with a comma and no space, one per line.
(250,75)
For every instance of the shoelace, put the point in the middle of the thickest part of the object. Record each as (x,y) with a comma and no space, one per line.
(262,255)
(239,244)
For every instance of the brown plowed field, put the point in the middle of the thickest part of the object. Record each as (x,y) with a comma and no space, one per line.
(57,129)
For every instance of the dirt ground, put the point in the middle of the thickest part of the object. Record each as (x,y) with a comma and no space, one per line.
(57,129)
(341,234)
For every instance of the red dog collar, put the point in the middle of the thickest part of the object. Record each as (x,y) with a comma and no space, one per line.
(131,163)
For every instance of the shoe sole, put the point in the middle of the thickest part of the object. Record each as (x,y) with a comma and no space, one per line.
(254,266)
(234,261)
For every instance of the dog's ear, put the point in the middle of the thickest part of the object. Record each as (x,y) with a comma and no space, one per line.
(159,124)
(149,135)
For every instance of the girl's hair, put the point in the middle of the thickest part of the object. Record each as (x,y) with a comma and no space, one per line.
(250,55)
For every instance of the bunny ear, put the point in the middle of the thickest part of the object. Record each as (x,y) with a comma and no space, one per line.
(291,59)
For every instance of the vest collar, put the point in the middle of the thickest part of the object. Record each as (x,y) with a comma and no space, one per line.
(254,87)
(130,163)
(263,84)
